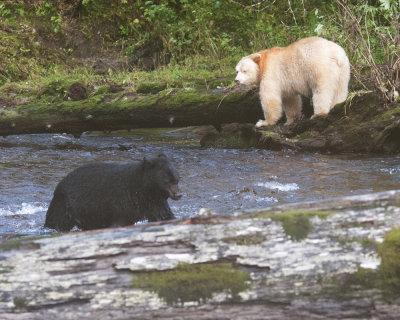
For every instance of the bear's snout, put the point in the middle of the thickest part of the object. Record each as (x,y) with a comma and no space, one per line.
(174,193)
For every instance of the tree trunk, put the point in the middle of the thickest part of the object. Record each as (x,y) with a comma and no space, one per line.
(174,108)
(315,260)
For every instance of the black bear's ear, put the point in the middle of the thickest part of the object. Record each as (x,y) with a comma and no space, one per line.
(149,163)
(146,162)
(162,155)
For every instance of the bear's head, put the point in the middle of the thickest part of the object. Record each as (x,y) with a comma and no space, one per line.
(248,70)
(161,176)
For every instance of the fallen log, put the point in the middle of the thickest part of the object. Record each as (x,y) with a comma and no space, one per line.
(315,260)
(121,111)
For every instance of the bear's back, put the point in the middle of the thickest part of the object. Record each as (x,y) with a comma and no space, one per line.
(97,175)
(316,51)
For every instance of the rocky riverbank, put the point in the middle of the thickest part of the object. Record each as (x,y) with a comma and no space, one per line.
(363,124)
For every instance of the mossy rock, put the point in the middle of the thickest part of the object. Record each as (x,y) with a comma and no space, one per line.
(193,282)
(364,123)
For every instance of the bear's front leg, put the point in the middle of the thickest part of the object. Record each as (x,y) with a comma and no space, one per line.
(292,106)
(272,107)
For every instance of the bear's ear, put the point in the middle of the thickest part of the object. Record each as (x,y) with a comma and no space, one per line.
(256,57)
(162,155)
(147,163)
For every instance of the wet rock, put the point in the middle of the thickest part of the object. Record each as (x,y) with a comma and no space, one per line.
(389,140)
(273,141)
(231,136)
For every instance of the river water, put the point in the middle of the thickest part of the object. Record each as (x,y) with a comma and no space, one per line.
(222,180)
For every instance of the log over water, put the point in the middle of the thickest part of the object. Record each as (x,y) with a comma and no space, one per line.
(168,108)
(303,261)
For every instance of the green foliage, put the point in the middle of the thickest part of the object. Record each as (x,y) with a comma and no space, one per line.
(372,30)
(51,32)
(48,11)
(40,35)
(4,11)
(197,282)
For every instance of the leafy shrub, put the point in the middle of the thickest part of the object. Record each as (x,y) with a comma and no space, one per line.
(373,38)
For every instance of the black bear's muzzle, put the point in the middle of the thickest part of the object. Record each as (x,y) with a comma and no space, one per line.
(173,192)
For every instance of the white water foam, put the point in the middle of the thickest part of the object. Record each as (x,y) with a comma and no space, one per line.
(391,170)
(259,199)
(273,185)
(23,209)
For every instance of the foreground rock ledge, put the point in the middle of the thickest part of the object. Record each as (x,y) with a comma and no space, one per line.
(274,272)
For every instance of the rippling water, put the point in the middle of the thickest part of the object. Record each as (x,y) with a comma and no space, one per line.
(219,179)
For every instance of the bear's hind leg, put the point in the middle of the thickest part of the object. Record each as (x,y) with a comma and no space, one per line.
(292,107)
(322,102)
(342,89)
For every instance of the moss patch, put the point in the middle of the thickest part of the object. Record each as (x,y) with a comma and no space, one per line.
(296,223)
(19,302)
(389,251)
(197,282)
(18,244)
(345,285)
(297,226)
(150,87)
(366,243)
(6,269)
(26,243)
(246,240)
(386,278)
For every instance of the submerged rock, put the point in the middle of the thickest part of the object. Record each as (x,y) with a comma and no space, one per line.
(230,136)
(315,260)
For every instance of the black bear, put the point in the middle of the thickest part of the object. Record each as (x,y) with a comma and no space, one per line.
(102,195)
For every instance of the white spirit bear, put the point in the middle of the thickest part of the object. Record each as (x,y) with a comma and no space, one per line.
(312,67)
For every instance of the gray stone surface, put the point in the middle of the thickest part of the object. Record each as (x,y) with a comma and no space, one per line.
(87,275)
